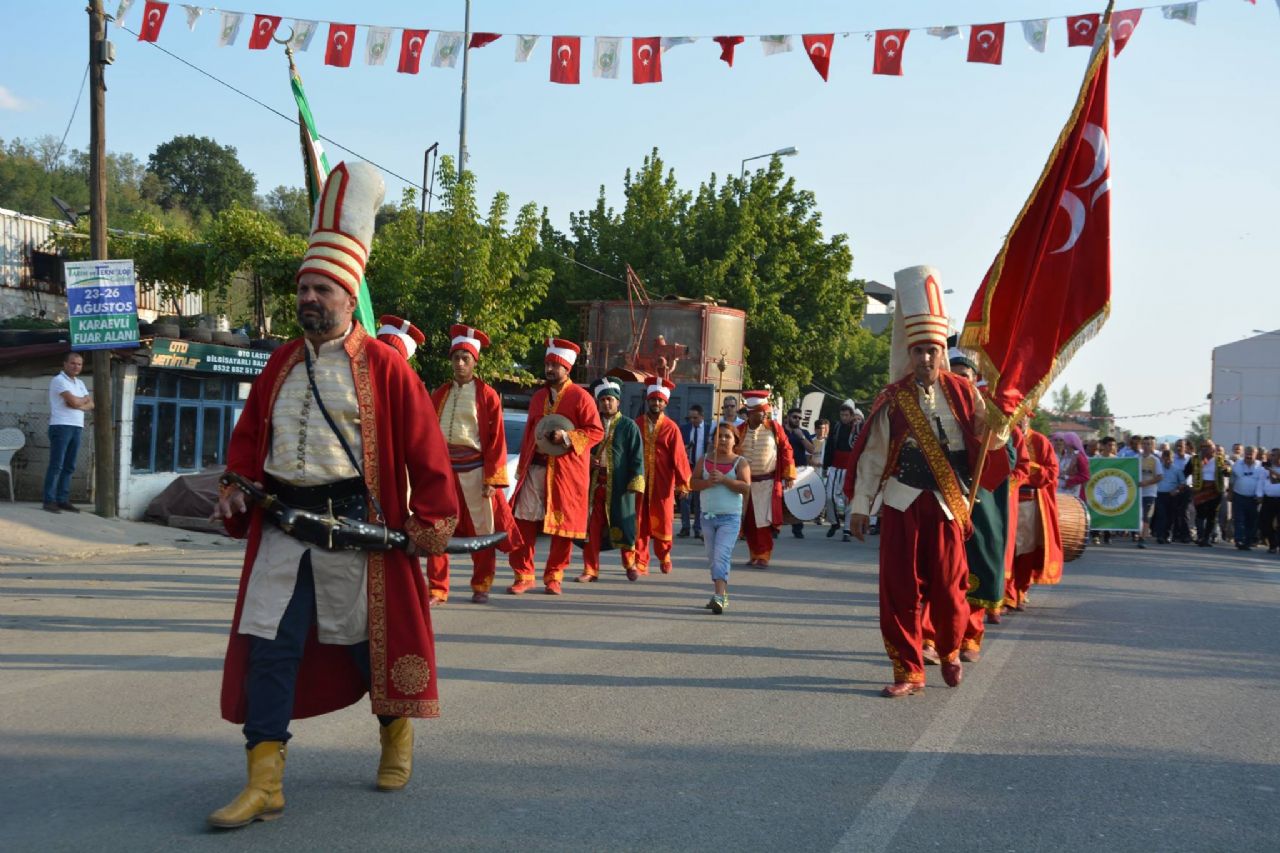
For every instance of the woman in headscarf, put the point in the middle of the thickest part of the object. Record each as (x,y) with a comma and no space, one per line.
(1073,464)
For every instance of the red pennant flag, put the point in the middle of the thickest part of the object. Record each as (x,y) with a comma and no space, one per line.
(889,45)
(819,50)
(565,62)
(646,60)
(339,48)
(264,27)
(1049,289)
(1082,30)
(727,44)
(986,43)
(481,39)
(1122,27)
(411,42)
(152,21)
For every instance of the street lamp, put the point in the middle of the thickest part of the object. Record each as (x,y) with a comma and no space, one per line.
(789,151)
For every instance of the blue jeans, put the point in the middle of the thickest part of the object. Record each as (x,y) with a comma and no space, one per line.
(273,665)
(719,535)
(64,445)
(1244,511)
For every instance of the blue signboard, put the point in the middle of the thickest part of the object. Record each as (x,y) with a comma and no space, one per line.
(102,303)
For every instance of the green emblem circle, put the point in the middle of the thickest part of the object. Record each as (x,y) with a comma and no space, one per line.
(1111,492)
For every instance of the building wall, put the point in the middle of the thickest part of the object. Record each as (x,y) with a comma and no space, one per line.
(1245,404)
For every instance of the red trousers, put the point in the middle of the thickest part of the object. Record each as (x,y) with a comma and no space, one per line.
(521,559)
(484,566)
(759,539)
(922,559)
(975,628)
(597,533)
(661,549)
(1024,566)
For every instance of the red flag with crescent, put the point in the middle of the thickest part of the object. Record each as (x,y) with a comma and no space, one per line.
(819,49)
(727,44)
(1082,30)
(646,60)
(264,27)
(1049,289)
(889,45)
(411,42)
(338,50)
(565,61)
(986,43)
(152,20)
(1122,27)
(481,39)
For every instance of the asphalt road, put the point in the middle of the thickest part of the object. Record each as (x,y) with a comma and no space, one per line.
(1134,707)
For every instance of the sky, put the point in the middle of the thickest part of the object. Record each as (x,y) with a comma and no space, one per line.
(931,167)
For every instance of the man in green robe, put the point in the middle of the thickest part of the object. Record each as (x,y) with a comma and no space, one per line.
(617,478)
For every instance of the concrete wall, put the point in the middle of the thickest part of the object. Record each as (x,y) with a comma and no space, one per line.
(1246,391)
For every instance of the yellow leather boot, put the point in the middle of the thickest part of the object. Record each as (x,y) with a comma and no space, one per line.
(396,765)
(263,795)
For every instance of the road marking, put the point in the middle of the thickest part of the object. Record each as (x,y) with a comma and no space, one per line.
(884,814)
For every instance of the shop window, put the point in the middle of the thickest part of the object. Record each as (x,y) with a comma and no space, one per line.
(181,422)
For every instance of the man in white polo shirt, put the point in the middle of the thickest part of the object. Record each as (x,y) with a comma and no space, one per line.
(68,401)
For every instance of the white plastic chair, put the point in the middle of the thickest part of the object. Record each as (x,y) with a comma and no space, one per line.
(12,440)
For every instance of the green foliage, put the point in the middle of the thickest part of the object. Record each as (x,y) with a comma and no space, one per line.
(1065,401)
(1198,429)
(1099,411)
(1040,421)
(197,174)
(290,208)
(465,269)
(757,245)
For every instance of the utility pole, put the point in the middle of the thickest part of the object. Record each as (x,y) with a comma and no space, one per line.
(462,117)
(105,484)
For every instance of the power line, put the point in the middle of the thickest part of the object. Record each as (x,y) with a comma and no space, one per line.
(74,110)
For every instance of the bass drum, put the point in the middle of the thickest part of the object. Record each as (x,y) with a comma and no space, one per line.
(1073,522)
(806,497)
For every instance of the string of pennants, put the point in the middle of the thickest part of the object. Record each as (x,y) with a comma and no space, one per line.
(986,41)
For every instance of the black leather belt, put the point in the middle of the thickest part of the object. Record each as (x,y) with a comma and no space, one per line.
(913,469)
(347,496)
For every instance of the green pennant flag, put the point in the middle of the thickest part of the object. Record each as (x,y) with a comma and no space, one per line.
(1112,494)
(316,165)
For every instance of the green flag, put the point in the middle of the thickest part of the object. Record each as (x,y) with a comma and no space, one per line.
(316,165)
(1112,494)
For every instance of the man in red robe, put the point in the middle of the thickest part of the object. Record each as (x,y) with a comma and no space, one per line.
(773,470)
(916,452)
(471,419)
(551,489)
(335,422)
(666,469)
(1038,552)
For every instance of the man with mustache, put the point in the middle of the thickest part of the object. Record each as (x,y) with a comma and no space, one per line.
(336,423)
(666,467)
(551,491)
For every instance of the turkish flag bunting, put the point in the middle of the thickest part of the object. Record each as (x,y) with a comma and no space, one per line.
(986,43)
(1122,26)
(1082,30)
(889,45)
(1049,289)
(646,60)
(264,27)
(819,50)
(339,48)
(727,44)
(411,42)
(481,39)
(565,62)
(152,21)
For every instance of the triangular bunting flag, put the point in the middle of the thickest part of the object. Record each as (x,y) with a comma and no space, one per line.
(122,10)
(303,32)
(605,63)
(524,47)
(819,49)
(193,15)
(481,39)
(728,43)
(448,46)
(375,45)
(1122,26)
(669,42)
(775,44)
(943,32)
(230,28)
(1185,12)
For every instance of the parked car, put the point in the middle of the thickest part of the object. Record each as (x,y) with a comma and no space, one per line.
(513,423)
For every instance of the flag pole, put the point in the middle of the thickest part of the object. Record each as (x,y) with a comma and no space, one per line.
(462,115)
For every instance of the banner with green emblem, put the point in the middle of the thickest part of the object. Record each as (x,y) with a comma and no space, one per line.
(1112,494)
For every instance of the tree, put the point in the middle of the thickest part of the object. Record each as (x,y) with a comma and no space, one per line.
(1066,401)
(290,207)
(1099,412)
(464,269)
(200,176)
(758,245)
(1198,429)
